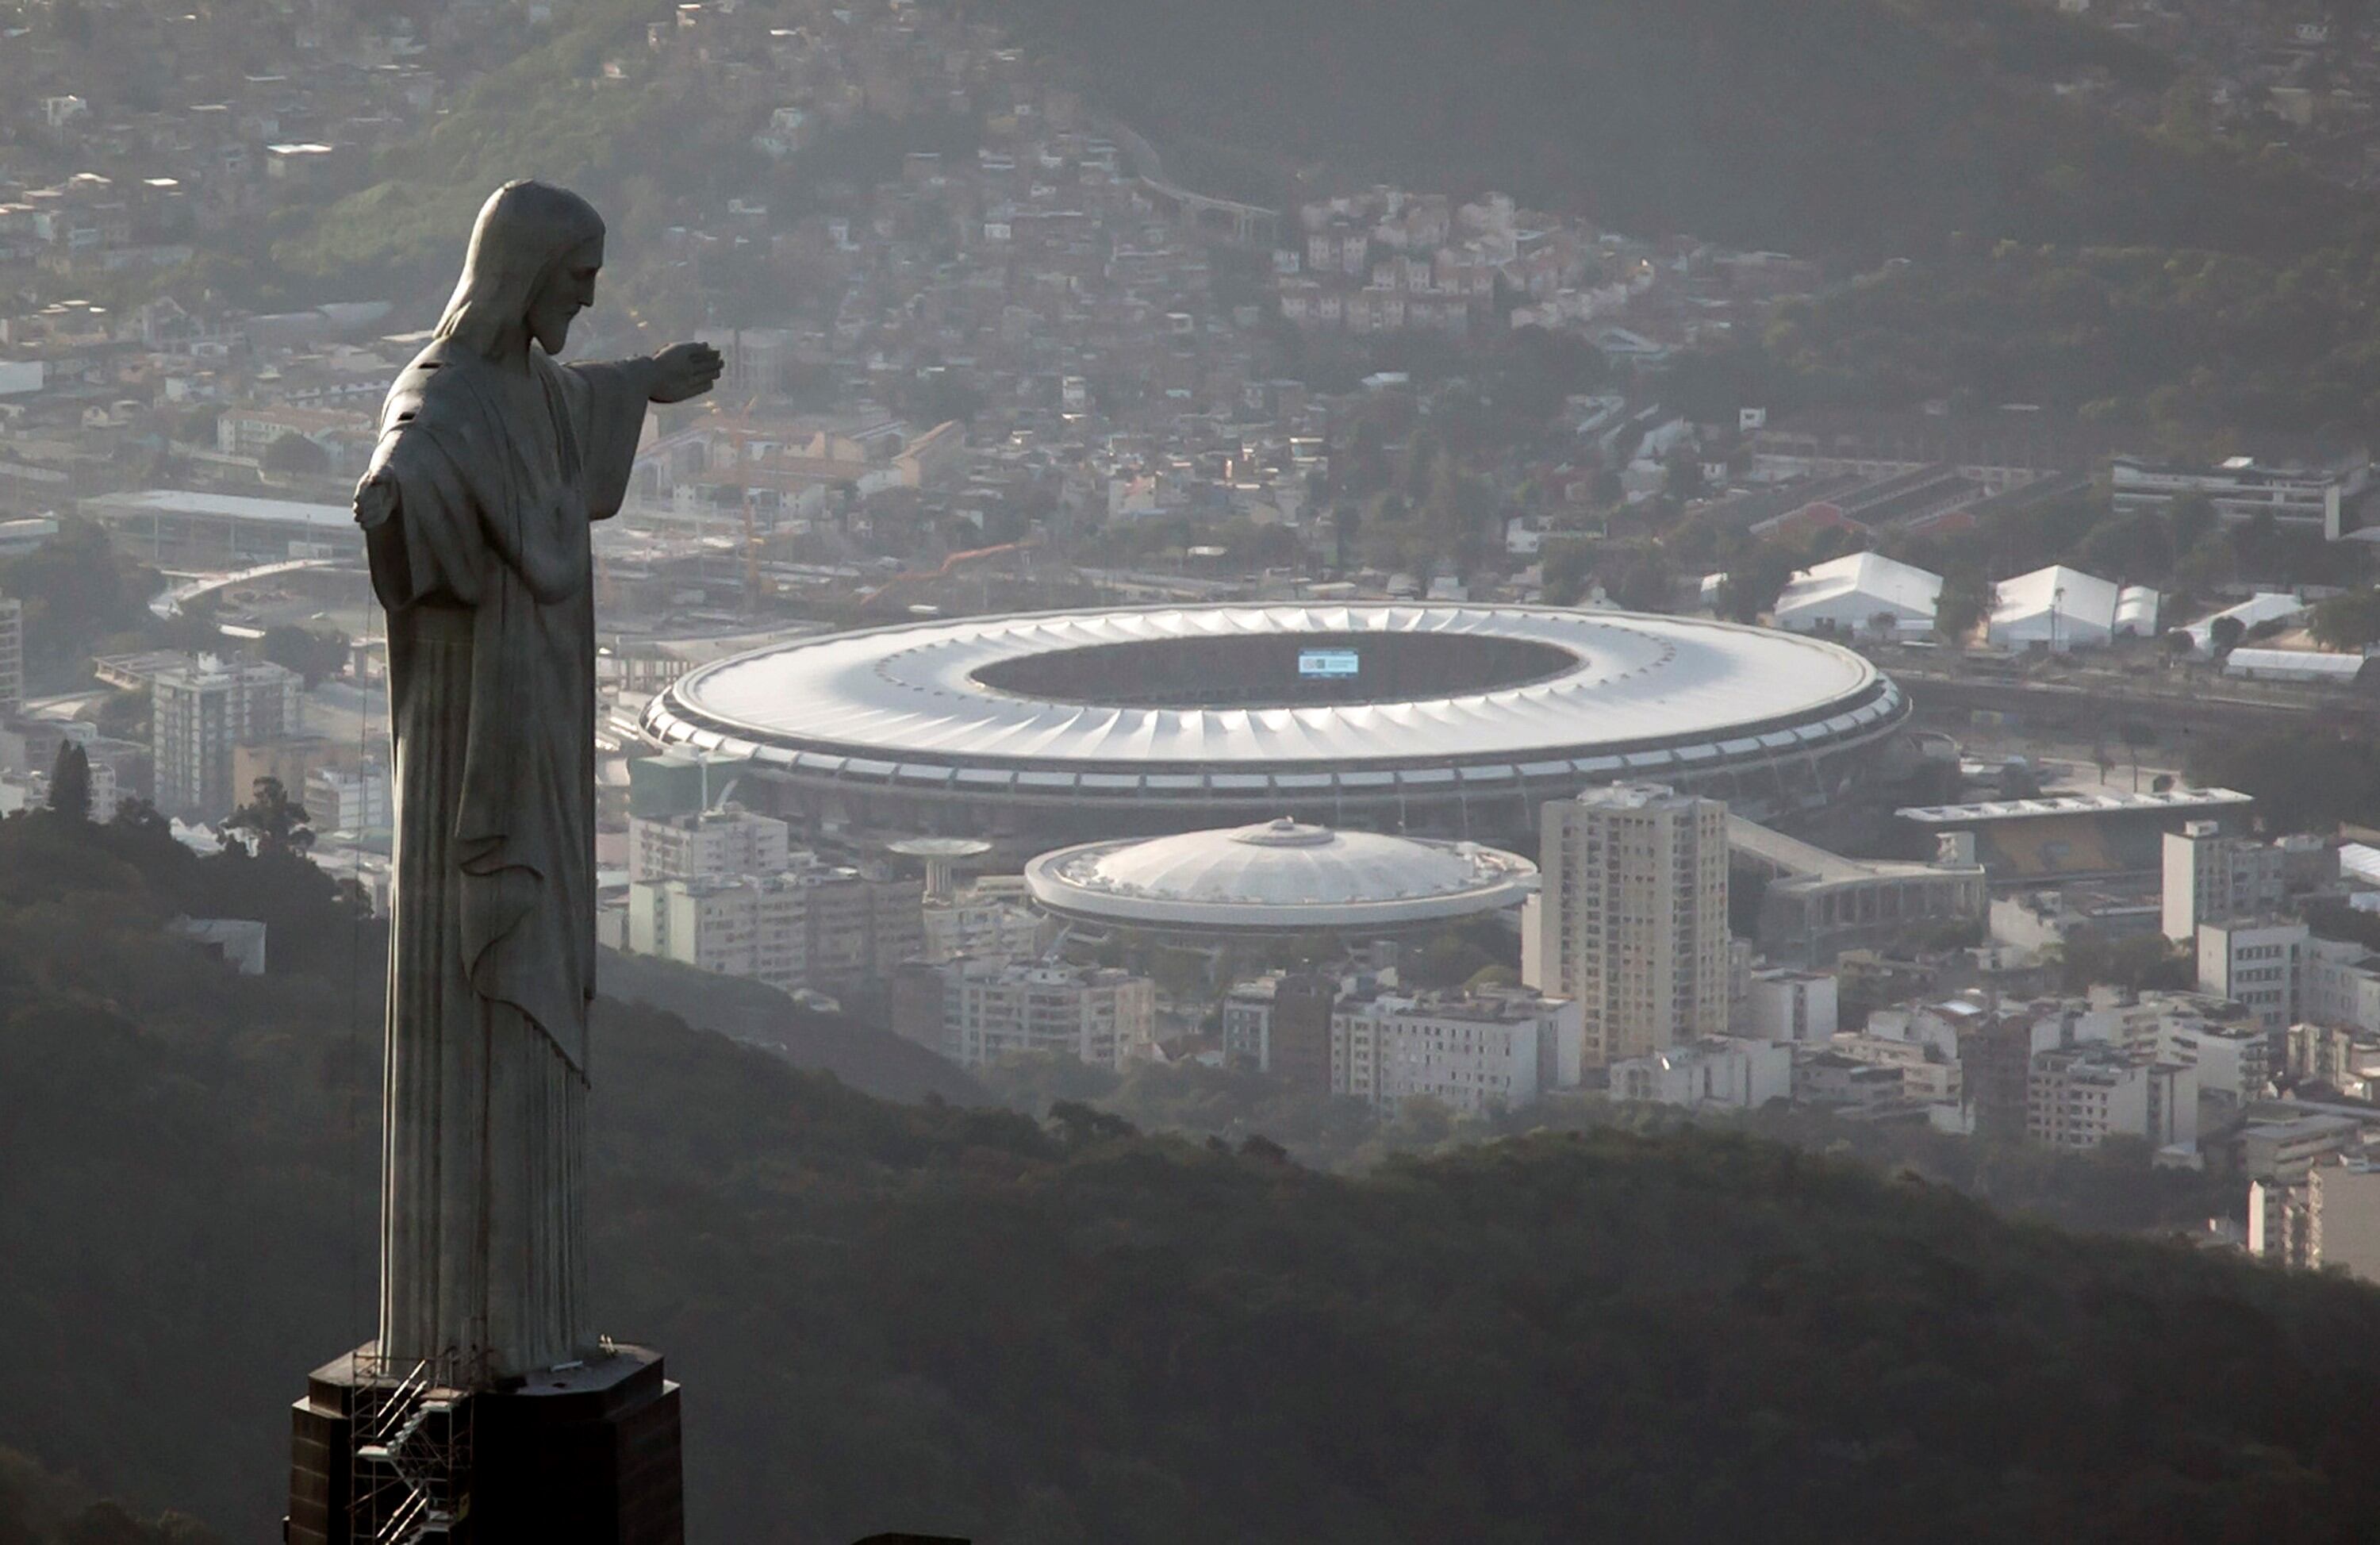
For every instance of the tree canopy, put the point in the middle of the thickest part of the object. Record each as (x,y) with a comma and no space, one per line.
(975,1321)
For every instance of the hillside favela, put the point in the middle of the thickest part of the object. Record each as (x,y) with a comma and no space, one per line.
(1089,772)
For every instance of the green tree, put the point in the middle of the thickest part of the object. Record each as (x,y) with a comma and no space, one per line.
(277,823)
(2193,518)
(314,655)
(1754,581)
(77,590)
(70,783)
(2350,621)
(295,455)
(1962,607)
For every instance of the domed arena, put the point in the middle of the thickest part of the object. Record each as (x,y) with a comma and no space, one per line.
(1278,877)
(1446,720)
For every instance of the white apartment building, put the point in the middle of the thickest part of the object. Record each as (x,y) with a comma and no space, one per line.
(977,1012)
(1927,1076)
(2257,963)
(1472,1051)
(815,926)
(2340,985)
(2078,1096)
(1789,1006)
(748,926)
(2241,489)
(2233,1057)
(2285,1152)
(342,801)
(713,845)
(862,924)
(1721,1070)
(1631,922)
(199,711)
(2331,1218)
(12,656)
(2210,877)
(990,927)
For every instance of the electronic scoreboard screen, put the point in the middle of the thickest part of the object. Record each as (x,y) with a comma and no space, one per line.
(1327,664)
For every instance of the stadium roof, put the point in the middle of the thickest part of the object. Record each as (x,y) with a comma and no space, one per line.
(1276,876)
(1633,696)
(224,506)
(2072,804)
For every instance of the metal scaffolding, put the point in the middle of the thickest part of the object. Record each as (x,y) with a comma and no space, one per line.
(412,1426)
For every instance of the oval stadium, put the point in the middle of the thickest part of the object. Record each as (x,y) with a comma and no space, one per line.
(1431,719)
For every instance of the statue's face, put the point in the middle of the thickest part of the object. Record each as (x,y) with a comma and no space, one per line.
(570,291)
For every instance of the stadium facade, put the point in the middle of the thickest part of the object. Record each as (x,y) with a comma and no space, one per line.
(1435,720)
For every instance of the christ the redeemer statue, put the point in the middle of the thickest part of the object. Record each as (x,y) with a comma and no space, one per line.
(492,459)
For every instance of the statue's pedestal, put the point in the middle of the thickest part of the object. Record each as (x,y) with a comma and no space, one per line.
(587,1454)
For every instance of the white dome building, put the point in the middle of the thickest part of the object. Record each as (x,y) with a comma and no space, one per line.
(1278,876)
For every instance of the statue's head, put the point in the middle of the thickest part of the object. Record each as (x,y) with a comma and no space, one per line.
(534,252)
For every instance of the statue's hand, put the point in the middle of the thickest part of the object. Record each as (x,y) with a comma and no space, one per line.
(683,370)
(375,500)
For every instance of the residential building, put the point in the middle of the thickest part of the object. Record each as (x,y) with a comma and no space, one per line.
(1280,1023)
(1830,1077)
(2210,877)
(2284,1152)
(2340,985)
(337,800)
(1782,1004)
(1631,920)
(202,708)
(708,845)
(751,926)
(2257,962)
(1925,1075)
(813,925)
(2346,1203)
(2241,488)
(2344,1057)
(863,923)
(989,925)
(1474,1051)
(2078,1096)
(1718,1071)
(2281,1225)
(977,1012)
(2230,1048)
(12,657)
(2328,1219)
(1995,1065)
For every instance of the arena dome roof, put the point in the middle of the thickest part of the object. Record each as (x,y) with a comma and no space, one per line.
(1279,875)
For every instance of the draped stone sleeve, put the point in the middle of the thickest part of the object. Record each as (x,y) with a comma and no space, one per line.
(429,547)
(606,404)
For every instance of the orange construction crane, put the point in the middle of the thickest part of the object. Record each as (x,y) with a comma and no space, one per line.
(950,566)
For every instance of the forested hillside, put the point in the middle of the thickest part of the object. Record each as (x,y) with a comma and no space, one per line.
(40,1508)
(968,1320)
(1862,129)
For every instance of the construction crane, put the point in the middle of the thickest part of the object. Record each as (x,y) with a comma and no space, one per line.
(949,566)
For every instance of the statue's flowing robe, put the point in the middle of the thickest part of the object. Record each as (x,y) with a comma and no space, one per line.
(485,569)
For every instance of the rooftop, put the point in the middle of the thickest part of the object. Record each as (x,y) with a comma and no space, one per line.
(1276,876)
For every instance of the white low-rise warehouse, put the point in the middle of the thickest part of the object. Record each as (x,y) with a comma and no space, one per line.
(2064,608)
(2292,664)
(1847,594)
(2263,607)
